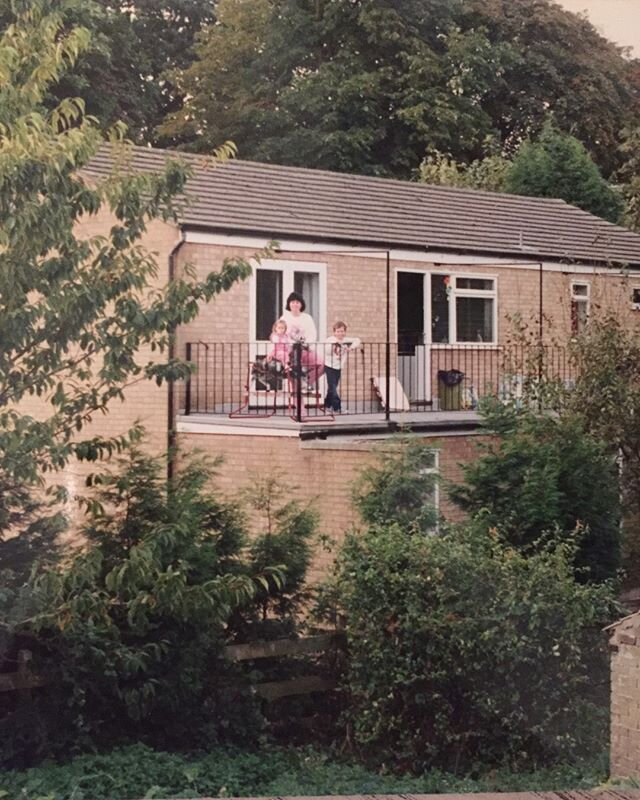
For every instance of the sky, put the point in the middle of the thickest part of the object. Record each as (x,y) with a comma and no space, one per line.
(618,20)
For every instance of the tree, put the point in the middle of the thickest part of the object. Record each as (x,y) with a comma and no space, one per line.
(606,400)
(130,630)
(283,536)
(370,86)
(399,488)
(487,173)
(74,311)
(560,66)
(124,75)
(558,165)
(629,178)
(535,483)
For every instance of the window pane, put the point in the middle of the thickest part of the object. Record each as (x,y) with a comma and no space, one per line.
(580,290)
(579,315)
(635,297)
(268,301)
(308,285)
(481,284)
(439,309)
(474,319)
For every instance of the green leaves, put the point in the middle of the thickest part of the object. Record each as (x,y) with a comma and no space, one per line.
(76,310)
(534,483)
(558,165)
(130,630)
(462,650)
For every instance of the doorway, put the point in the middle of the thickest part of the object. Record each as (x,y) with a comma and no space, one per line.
(414,367)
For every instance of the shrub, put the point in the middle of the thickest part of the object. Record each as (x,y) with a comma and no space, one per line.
(462,650)
(130,632)
(539,476)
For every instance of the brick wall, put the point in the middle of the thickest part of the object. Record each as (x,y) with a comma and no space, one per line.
(625,697)
(356,293)
(322,472)
(144,402)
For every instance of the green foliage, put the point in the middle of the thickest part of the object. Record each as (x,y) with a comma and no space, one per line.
(370,86)
(488,173)
(561,66)
(75,311)
(629,177)
(558,165)
(124,75)
(130,632)
(138,771)
(606,400)
(463,651)
(535,482)
(399,487)
(284,536)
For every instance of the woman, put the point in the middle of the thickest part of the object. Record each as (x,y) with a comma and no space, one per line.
(301,328)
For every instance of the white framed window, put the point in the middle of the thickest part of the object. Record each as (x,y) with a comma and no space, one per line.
(433,497)
(580,305)
(272,282)
(635,298)
(464,309)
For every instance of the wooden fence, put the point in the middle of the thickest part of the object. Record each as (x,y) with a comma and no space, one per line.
(280,648)
(24,678)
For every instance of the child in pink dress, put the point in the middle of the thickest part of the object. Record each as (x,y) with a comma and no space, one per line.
(281,343)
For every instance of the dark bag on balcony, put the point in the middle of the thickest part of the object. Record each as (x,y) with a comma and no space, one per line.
(268,375)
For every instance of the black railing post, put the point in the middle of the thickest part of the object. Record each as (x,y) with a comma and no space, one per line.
(297,374)
(187,397)
(387,413)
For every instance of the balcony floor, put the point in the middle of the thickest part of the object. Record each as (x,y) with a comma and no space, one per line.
(318,426)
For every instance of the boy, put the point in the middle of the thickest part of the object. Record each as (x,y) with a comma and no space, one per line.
(336,350)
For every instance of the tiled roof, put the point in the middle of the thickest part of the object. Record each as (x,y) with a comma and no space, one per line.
(276,201)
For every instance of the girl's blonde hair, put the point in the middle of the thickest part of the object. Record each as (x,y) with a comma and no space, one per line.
(278,322)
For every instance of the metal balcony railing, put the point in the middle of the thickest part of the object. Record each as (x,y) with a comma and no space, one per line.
(238,380)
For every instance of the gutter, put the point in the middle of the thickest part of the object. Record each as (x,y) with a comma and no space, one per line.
(171,432)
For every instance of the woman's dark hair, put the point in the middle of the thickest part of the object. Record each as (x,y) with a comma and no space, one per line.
(299,298)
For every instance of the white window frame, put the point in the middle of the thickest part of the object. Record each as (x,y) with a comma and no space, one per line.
(288,268)
(579,298)
(435,470)
(484,294)
(635,306)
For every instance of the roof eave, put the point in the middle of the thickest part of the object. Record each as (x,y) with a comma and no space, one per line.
(385,245)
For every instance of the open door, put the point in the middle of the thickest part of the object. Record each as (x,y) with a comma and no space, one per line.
(414,369)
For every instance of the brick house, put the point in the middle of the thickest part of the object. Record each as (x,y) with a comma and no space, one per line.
(431,279)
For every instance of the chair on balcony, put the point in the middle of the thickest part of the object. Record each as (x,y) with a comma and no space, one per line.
(270,385)
(265,382)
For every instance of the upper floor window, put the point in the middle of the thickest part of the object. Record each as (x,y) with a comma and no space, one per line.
(272,283)
(463,309)
(580,305)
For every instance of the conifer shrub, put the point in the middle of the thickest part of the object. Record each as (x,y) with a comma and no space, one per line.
(130,631)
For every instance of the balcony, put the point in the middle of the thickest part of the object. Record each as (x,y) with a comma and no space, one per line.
(235,382)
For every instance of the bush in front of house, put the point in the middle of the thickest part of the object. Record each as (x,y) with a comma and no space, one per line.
(464,651)
(129,633)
